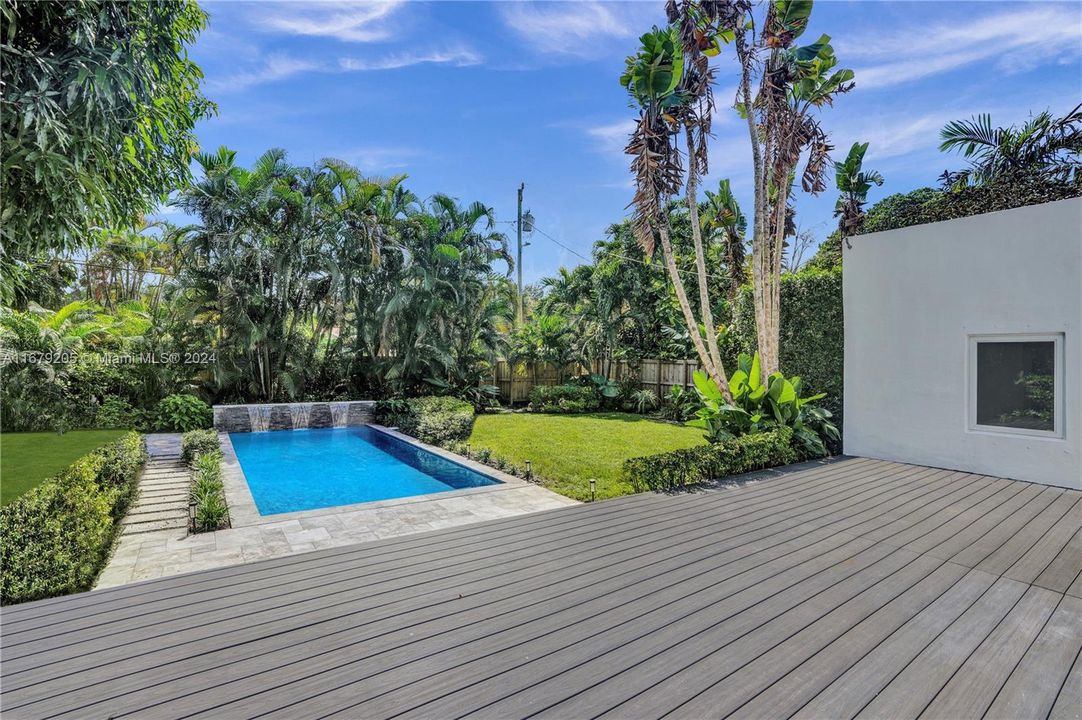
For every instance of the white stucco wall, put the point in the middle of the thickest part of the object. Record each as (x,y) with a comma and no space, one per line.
(912,298)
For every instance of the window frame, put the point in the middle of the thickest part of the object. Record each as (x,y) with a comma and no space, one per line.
(1056,338)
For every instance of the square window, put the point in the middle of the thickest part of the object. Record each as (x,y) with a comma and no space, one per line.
(1016,383)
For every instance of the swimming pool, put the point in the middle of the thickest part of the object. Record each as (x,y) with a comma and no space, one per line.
(292,470)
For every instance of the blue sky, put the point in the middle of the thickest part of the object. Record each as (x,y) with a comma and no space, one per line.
(471,98)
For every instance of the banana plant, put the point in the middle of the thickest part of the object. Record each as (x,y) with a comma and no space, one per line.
(760,406)
(853,182)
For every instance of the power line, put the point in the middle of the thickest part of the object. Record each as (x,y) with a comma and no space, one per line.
(628,258)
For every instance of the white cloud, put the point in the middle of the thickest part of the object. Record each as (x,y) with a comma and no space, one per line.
(459,57)
(573,28)
(1015,40)
(893,136)
(272,68)
(347,21)
(377,158)
(282,67)
(611,139)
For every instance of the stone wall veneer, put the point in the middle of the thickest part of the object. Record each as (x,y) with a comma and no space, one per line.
(293,416)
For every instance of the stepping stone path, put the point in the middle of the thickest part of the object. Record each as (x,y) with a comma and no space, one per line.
(163,496)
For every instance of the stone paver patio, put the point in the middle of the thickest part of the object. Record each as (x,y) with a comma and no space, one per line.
(253,537)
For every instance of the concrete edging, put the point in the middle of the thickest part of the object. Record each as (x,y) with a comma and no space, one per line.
(243,511)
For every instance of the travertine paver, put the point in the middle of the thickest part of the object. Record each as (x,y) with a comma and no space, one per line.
(160,554)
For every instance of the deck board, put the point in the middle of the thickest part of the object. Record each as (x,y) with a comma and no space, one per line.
(857,587)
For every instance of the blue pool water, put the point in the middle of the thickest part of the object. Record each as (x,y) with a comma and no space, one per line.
(291,470)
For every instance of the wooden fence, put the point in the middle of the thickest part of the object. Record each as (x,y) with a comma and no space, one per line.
(516,379)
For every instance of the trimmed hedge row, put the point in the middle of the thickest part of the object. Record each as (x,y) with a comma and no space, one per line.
(203,453)
(434,420)
(55,539)
(197,442)
(928,205)
(678,469)
(812,333)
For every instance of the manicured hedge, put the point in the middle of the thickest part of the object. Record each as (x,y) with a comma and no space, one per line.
(812,333)
(564,398)
(55,539)
(680,468)
(197,442)
(434,420)
(202,451)
(927,205)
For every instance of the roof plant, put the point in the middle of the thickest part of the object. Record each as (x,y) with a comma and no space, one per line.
(1044,144)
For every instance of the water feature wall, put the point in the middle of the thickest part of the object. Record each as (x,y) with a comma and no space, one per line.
(293,416)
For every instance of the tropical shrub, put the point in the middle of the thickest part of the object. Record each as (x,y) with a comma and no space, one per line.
(812,333)
(678,469)
(116,412)
(181,413)
(198,442)
(208,492)
(680,404)
(759,406)
(55,539)
(566,398)
(643,400)
(211,513)
(437,420)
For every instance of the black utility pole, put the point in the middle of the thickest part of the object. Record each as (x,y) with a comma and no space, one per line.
(518,259)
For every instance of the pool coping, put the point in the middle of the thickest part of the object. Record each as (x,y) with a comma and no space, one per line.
(244,513)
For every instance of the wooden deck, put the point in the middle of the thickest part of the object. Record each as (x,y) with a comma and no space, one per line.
(856,588)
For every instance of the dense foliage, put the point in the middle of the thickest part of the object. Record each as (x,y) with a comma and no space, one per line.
(434,420)
(100,105)
(621,305)
(181,413)
(675,470)
(198,442)
(564,398)
(56,538)
(927,205)
(812,333)
(760,405)
(320,283)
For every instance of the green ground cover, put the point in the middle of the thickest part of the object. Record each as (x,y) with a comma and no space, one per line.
(568,450)
(28,459)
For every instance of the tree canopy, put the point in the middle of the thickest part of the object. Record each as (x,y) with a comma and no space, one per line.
(100,103)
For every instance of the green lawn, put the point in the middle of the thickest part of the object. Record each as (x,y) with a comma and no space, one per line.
(27,459)
(567,450)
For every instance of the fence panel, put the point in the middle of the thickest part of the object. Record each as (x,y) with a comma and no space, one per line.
(515,380)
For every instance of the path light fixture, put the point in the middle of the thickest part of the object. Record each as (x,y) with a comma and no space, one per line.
(593,489)
(467,449)
(191,514)
(529,471)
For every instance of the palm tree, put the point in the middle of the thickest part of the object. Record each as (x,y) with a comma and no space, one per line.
(671,85)
(124,258)
(257,266)
(793,82)
(853,184)
(1044,144)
